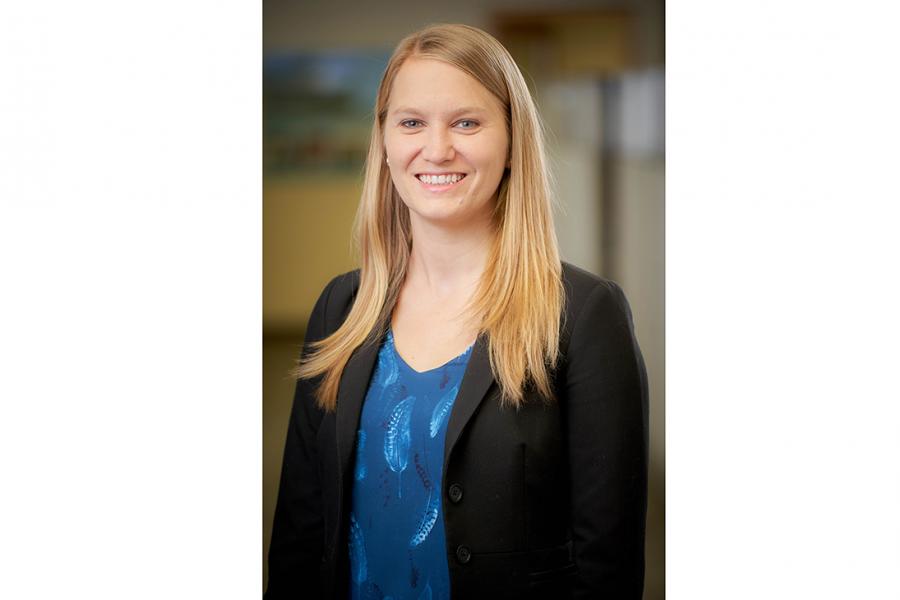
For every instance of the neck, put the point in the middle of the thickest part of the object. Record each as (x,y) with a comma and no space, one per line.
(448,261)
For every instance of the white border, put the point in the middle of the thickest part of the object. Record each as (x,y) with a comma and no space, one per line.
(130,237)
(782,403)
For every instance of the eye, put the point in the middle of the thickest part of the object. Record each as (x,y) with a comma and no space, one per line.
(403,123)
(474,124)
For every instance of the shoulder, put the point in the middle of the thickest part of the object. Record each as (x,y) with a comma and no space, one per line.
(579,282)
(592,302)
(342,288)
(335,301)
(583,287)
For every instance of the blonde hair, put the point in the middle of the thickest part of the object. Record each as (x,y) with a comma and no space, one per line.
(519,300)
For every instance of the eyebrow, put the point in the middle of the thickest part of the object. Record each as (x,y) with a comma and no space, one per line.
(453,113)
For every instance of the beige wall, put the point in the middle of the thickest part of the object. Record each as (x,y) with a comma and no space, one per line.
(306,241)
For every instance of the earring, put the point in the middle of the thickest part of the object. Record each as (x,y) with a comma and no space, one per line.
(387,160)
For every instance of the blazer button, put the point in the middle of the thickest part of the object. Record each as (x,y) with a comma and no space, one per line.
(455,493)
(463,554)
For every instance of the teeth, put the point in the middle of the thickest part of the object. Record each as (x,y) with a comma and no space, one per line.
(440,179)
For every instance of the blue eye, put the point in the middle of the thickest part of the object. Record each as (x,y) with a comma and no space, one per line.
(405,123)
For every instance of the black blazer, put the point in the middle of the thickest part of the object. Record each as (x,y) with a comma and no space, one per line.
(547,502)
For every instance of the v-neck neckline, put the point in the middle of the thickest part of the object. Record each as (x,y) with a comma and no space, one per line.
(401,360)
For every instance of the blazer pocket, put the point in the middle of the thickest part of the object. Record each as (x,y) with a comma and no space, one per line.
(555,573)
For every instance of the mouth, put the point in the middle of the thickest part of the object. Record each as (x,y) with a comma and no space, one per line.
(441,184)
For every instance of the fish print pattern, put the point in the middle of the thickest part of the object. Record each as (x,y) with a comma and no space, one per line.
(397,439)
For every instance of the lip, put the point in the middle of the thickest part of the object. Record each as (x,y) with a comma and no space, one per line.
(441,187)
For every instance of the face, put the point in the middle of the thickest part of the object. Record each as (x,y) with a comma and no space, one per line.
(441,121)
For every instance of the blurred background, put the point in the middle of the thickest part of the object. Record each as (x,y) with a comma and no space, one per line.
(596,71)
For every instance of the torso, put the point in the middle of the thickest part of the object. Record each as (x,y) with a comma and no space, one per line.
(429,333)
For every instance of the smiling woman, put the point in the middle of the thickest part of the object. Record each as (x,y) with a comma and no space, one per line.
(457,146)
(470,416)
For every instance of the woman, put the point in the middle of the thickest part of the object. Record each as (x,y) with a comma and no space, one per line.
(470,417)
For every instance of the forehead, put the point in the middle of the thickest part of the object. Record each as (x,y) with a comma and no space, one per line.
(432,86)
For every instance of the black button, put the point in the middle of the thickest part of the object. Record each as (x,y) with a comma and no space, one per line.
(455,493)
(463,554)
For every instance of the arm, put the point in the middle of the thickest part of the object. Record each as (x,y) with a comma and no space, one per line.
(606,406)
(295,554)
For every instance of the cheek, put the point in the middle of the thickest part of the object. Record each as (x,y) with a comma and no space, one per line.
(490,156)
(399,146)
(489,165)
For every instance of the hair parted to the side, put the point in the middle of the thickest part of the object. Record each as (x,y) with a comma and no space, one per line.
(519,301)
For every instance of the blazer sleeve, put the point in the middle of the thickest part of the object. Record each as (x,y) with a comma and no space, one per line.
(296,550)
(606,418)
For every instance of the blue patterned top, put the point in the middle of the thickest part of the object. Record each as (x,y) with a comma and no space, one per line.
(396,537)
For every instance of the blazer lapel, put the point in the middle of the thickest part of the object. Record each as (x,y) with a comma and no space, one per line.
(351,393)
(476,381)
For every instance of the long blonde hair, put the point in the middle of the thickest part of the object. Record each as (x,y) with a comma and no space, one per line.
(520,298)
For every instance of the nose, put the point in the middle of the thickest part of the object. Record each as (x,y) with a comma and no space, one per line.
(438,146)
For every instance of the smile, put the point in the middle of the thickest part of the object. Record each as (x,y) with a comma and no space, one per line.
(440,183)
